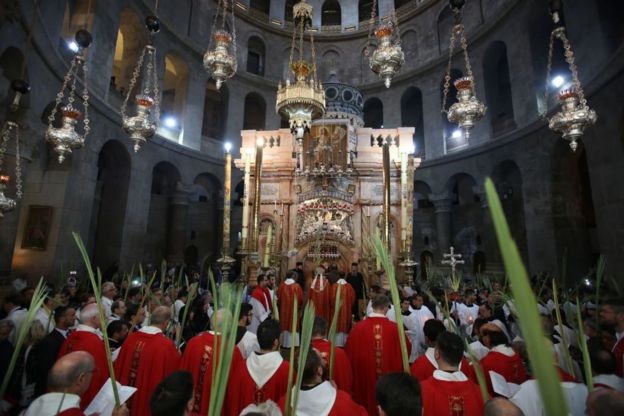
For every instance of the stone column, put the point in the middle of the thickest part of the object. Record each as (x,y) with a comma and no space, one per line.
(442,204)
(193,116)
(176,233)
(432,119)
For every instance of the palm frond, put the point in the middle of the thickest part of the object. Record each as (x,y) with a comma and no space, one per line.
(332,331)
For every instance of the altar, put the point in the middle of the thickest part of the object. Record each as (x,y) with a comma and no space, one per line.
(318,197)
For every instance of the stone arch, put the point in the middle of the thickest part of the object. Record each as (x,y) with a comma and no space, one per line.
(373,113)
(256,52)
(409,42)
(498,88)
(460,186)
(422,192)
(174,86)
(215,110)
(109,204)
(331,64)
(331,13)
(364,10)
(11,61)
(205,214)
(254,115)
(211,188)
(288,10)
(445,25)
(79,14)
(262,6)
(412,116)
(131,38)
(426,263)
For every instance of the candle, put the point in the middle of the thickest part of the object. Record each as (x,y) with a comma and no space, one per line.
(403,197)
(246,180)
(267,246)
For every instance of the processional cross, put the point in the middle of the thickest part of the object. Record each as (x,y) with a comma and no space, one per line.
(452,259)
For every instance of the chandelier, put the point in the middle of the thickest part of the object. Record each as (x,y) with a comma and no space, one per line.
(142,126)
(65,138)
(388,57)
(220,61)
(304,99)
(468,109)
(575,116)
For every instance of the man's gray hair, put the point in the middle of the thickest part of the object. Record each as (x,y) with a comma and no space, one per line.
(160,315)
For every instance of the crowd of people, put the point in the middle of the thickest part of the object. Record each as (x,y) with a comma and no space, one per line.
(164,339)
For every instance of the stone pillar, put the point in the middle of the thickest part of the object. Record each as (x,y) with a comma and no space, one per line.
(193,116)
(442,204)
(176,233)
(432,118)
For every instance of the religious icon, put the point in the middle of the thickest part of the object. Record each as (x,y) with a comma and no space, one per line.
(37,227)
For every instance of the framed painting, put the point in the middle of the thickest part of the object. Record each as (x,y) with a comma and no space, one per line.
(37,228)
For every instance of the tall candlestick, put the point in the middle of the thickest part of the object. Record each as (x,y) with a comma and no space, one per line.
(246,158)
(226,200)
(403,198)
(386,197)
(267,246)
(257,189)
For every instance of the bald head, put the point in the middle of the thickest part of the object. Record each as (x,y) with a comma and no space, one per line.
(160,316)
(605,402)
(71,373)
(500,406)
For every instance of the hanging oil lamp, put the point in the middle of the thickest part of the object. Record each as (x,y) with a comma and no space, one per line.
(220,61)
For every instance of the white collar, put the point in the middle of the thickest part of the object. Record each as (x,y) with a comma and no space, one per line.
(289,281)
(87,328)
(341,281)
(619,335)
(609,380)
(151,330)
(318,401)
(430,354)
(376,315)
(261,367)
(48,404)
(62,332)
(504,349)
(446,376)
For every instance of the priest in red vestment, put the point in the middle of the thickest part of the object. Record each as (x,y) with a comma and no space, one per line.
(88,338)
(373,349)
(448,391)
(345,317)
(261,303)
(261,377)
(343,376)
(426,364)
(612,315)
(321,398)
(287,292)
(198,358)
(501,359)
(319,294)
(146,357)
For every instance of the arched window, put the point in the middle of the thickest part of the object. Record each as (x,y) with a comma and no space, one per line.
(175,84)
(445,24)
(288,10)
(412,116)
(409,41)
(78,15)
(373,113)
(131,38)
(364,10)
(254,113)
(331,14)
(255,56)
(331,65)
(498,88)
(215,111)
(261,5)
(453,137)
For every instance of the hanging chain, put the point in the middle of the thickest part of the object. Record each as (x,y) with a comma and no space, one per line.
(551,43)
(447,77)
(61,94)
(301,30)
(314,78)
(457,30)
(397,31)
(18,166)
(215,19)
(85,100)
(133,81)
(292,49)
(233,37)
(464,45)
(6,134)
(371,28)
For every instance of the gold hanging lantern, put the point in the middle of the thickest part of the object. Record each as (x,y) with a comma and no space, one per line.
(66,138)
(388,57)
(142,126)
(220,61)
(575,115)
(468,109)
(304,100)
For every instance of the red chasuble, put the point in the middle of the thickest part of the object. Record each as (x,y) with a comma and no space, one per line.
(347,299)
(504,361)
(325,400)
(259,378)
(618,352)
(373,349)
(287,292)
(198,358)
(263,296)
(89,341)
(319,295)
(426,364)
(342,367)
(145,359)
(451,394)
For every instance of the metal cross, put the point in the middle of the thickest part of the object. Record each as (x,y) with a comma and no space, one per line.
(452,259)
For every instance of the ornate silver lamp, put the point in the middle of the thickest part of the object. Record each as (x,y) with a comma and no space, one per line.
(6,204)
(66,138)
(142,126)
(388,57)
(575,115)
(468,109)
(220,61)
